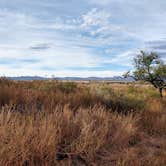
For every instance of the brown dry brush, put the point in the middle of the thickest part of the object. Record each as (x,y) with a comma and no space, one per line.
(41,95)
(89,137)
(52,123)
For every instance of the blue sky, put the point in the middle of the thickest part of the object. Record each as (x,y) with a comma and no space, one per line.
(78,37)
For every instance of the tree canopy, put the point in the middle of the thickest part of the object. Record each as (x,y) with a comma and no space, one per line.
(149,67)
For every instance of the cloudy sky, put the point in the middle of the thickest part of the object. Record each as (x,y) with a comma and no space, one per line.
(78,37)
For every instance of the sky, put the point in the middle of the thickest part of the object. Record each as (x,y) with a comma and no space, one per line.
(79,38)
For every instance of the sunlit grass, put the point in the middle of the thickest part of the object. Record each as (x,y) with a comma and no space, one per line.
(52,123)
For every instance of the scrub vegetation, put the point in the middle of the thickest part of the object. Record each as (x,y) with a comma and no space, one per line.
(47,123)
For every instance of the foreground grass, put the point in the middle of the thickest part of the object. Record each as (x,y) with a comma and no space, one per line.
(88,137)
(52,123)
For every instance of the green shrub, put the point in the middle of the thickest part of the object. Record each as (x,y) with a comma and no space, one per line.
(67,87)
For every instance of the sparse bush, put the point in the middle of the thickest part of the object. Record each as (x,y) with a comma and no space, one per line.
(46,138)
(67,86)
(154,123)
(5,81)
(52,123)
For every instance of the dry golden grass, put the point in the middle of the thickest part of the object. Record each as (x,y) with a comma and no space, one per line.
(90,136)
(51,123)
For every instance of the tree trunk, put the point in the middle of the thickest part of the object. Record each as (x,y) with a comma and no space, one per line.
(161,92)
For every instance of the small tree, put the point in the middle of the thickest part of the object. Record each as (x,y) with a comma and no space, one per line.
(149,68)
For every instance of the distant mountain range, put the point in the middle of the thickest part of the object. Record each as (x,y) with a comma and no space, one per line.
(31,78)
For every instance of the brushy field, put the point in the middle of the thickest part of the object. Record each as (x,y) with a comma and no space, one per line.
(50,123)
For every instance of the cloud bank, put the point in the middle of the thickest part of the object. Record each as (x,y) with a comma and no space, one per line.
(78,38)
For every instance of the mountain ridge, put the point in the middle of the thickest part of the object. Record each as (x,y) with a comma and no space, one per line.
(32,78)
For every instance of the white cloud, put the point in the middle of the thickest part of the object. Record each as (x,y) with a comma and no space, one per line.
(63,51)
(103,2)
(95,17)
(110,32)
(7,71)
(123,59)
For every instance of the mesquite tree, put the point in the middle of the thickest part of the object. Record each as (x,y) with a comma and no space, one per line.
(149,68)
